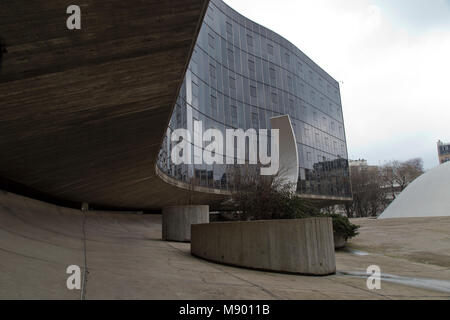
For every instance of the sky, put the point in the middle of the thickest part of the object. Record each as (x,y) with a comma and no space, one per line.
(392,58)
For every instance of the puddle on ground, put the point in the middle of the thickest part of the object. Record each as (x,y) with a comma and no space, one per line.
(355,252)
(421,283)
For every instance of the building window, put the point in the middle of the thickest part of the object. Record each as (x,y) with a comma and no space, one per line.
(304,110)
(230,57)
(229,29)
(306,132)
(178,119)
(232,83)
(211,41)
(289,80)
(210,13)
(270,49)
(212,71)
(214,107)
(194,56)
(249,40)
(255,121)
(234,116)
(274,98)
(253,91)
(194,90)
(287,58)
(194,66)
(251,67)
(272,73)
(195,79)
(291,108)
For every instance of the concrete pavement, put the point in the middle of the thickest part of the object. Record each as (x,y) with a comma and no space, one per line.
(127,259)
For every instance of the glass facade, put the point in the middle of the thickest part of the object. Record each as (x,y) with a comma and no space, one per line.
(240,76)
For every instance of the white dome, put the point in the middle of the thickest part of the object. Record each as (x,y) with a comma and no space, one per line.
(427,196)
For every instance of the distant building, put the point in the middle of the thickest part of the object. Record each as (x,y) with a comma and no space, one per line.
(443,151)
(361,164)
(358,163)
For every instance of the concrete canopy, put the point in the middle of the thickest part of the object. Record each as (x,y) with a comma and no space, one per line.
(427,196)
(83,112)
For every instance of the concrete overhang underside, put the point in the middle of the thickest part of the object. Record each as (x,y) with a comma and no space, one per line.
(83,112)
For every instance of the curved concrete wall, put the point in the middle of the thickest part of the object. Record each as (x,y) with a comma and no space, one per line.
(177,221)
(302,246)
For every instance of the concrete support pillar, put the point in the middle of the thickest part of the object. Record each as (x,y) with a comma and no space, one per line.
(177,221)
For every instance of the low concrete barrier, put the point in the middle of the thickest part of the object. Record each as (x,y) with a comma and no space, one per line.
(303,246)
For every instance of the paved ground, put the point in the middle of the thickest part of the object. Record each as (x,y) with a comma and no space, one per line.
(127,260)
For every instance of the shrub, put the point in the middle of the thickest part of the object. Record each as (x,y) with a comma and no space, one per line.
(343,226)
(267,198)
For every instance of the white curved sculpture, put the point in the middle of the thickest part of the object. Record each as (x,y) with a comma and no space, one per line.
(427,196)
(287,150)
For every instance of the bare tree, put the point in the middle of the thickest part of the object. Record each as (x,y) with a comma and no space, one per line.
(368,195)
(409,171)
(397,175)
(374,188)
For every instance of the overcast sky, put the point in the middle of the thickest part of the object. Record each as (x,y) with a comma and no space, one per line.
(393,57)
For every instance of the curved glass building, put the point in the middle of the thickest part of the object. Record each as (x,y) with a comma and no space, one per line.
(240,76)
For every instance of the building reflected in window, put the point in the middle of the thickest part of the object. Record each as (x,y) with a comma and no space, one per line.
(246,74)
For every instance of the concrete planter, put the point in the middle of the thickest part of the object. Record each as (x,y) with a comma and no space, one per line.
(339,241)
(304,246)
